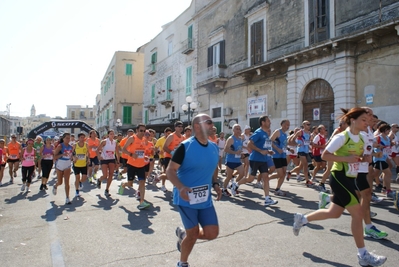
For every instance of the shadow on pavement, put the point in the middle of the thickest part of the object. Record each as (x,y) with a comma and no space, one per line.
(52,213)
(105,203)
(140,219)
(320,260)
(16,198)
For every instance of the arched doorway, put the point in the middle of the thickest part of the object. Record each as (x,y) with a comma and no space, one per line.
(318,104)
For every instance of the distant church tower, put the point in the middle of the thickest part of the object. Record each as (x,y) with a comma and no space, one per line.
(33,111)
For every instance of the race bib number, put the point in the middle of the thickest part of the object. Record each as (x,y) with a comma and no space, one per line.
(306,142)
(67,154)
(48,156)
(29,158)
(353,169)
(140,154)
(81,156)
(387,151)
(94,148)
(199,194)
(110,154)
(237,156)
(13,157)
(267,144)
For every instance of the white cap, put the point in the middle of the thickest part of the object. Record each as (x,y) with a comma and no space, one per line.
(247,127)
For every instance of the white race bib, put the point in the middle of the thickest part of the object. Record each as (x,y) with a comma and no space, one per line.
(267,144)
(387,151)
(48,156)
(353,169)
(306,142)
(140,154)
(199,194)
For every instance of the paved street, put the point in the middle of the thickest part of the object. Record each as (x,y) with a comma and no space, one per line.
(37,229)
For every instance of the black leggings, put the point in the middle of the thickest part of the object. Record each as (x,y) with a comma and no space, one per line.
(27,174)
(47,165)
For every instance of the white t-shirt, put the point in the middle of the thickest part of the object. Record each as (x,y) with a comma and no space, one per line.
(245,142)
(338,141)
(368,138)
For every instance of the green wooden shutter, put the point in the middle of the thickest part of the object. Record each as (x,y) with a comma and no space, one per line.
(128,69)
(127,115)
(154,58)
(190,36)
(189,72)
(153,94)
(218,125)
(168,86)
(113,77)
(146,116)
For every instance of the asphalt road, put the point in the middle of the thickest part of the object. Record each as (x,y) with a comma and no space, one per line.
(38,229)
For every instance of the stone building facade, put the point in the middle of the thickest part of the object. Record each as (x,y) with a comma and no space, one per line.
(295,59)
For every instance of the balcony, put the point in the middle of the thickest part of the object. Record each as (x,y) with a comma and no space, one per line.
(167,101)
(153,69)
(188,46)
(151,106)
(213,78)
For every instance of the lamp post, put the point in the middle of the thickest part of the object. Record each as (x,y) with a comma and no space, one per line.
(118,125)
(189,107)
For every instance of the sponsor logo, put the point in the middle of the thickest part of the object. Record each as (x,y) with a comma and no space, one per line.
(63,124)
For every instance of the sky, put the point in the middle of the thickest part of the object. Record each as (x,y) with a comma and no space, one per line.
(54,53)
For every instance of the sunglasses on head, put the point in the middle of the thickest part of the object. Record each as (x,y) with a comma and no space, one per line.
(209,122)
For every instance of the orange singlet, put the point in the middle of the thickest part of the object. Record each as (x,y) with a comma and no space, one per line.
(94,145)
(122,144)
(213,140)
(13,150)
(138,147)
(175,142)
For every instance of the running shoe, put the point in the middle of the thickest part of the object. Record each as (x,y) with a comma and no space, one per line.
(90,179)
(98,184)
(163,188)
(23,188)
(155,181)
(54,190)
(80,186)
(378,188)
(371,259)
(67,201)
(322,188)
(27,189)
(11,180)
(106,193)
(288,176)
(77,194)
(373,214)
(234,187)
(226,193)
(120,177)
(258,185)
(138,195)
(269,202)
(183,264)
(375,199)
(15,174)
(45,187)
(323,200)
(298,218)
(181,234)
(309,183)
(41,187)
(374,233)
(95,176)
(143,205)
(279,193)
(150,179)
(299,178)
(121,189)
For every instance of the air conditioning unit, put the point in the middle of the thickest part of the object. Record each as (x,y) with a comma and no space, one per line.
(169,116)
(174,115)
(227,111)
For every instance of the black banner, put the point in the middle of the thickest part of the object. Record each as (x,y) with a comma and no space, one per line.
(60,124)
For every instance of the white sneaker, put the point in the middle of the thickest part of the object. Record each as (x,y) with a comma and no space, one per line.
(375,199)
(23,188)
(77,194)
(269,201)
(163,188)
(234,187)
(299,178)
(371,259)
(372,214)
(297,223)
(258,185)
(67,201)
(54,190)
(27,189)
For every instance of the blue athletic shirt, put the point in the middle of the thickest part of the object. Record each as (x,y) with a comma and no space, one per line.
(197,165)
(281,143)
(237,145)
(261,140)
(386,143)
(67,150)
(303,141)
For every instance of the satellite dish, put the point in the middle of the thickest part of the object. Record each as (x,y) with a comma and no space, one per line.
(231,123)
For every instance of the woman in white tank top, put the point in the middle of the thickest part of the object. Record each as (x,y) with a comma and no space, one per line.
(106,153)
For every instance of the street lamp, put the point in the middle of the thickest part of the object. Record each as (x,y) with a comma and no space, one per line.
(189,107)
(118,125)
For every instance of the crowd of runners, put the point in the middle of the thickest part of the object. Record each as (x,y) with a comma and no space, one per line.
(357,159)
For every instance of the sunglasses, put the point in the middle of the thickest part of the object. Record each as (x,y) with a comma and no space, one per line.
(209,122)
(141,131)
(308,124)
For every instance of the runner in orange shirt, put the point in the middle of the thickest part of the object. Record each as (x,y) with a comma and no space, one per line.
(124,156)
(14,152)
(3,158)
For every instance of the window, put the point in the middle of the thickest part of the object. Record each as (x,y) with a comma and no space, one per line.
(127,115)
(217,112)
(146,117)
(189,80)
(154,58)
(82,115)
(128,72)
(216,54)
(257,42)
(168,86)
(107,115)
(72,115)
(190,37)
(318,20)
(112,77)
(153,94)
(91,114)
(170,48)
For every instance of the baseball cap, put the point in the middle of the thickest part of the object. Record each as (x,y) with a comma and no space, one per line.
(13,135)
(178,123)
(247,127)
